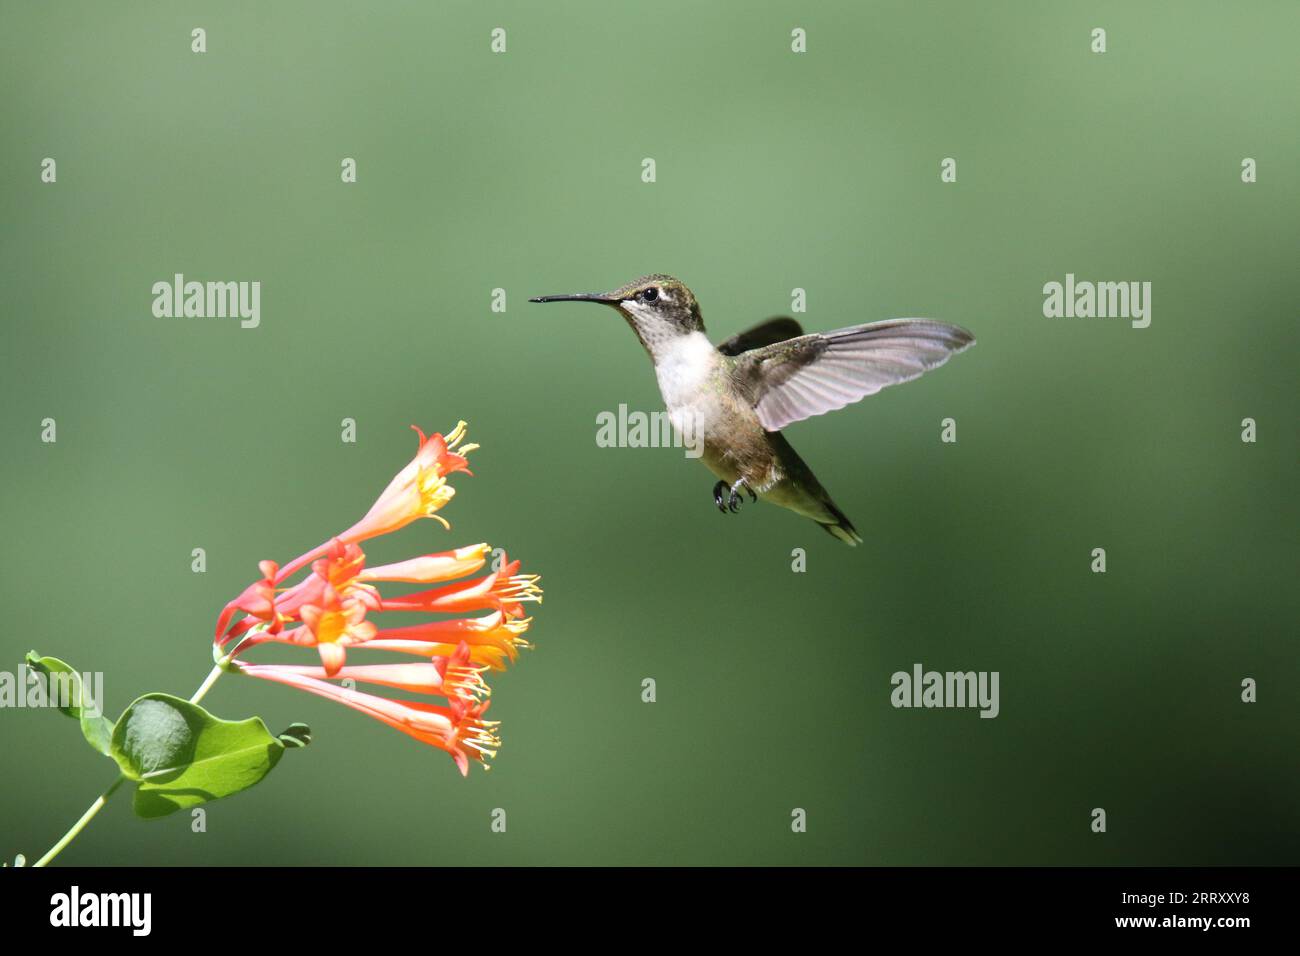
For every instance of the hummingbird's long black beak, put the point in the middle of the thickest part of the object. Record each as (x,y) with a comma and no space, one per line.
(577,297)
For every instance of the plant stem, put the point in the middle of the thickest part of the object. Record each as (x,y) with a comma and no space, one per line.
(80,824)
(98,805)
(207,684)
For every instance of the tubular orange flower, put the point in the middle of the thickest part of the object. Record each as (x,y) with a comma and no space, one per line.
(330,610)
(492,640)
(502,590)
(257,600)
(458,728)
(431,567)
(339,570)
(336,623)
(417,491)
(453,676)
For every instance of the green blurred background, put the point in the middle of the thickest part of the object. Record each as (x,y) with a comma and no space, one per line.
(775,171)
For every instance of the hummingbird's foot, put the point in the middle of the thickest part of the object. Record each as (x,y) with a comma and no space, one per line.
(729,498)
(735,499)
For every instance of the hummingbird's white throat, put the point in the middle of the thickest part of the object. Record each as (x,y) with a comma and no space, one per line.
(684,364)
(654,328)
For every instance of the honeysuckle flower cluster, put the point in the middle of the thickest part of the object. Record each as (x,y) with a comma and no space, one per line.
(334,607)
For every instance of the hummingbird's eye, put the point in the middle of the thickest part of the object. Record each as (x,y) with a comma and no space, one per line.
(650,294)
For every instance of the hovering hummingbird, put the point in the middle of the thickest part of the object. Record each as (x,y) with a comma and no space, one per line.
(739,395)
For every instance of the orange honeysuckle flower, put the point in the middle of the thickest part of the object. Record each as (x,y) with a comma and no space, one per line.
(334,624)
(452,676)
(493,640)
(431,567)
(257,600)
(457,728)
(341,565)
(333,604)
(339,570)
(419,490)
(503,590)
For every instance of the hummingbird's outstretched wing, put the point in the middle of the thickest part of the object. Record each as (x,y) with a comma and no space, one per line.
(806,376)
(765,333)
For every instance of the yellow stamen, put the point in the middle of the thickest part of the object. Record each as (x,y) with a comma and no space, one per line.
(468,683)
(453,437)
(523,587)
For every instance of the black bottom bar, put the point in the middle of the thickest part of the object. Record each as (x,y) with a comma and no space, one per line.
(1144,903)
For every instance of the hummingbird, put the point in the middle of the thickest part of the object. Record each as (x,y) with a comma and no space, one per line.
(739,395)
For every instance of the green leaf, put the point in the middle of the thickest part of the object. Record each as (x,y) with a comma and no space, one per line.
(183,756)
(65,684)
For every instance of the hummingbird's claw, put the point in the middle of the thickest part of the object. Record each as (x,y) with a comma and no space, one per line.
(729,498)
(717,496)
(737,499)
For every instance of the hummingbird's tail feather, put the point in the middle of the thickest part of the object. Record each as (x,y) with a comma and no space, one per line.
(841,527)
(801,492)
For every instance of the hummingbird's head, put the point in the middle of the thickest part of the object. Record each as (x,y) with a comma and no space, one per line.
(658,307)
